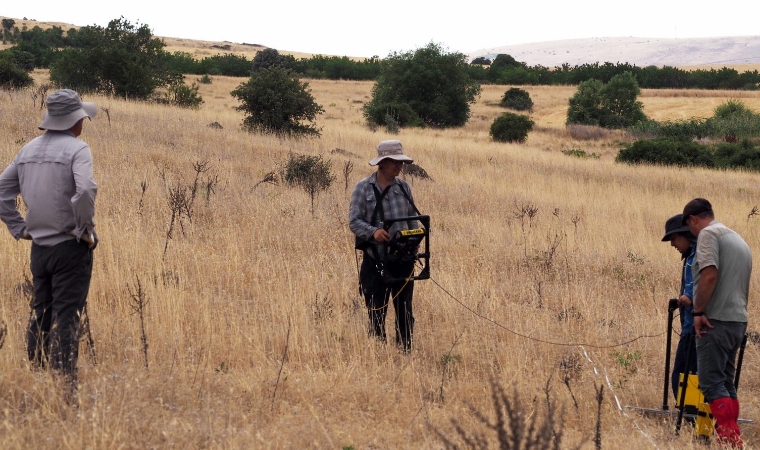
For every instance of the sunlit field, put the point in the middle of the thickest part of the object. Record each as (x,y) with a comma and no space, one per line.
(548,276)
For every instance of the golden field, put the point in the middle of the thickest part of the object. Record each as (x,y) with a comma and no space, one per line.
(256,335)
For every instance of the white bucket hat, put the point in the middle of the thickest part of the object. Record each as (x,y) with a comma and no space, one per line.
(65,109)
(392,150)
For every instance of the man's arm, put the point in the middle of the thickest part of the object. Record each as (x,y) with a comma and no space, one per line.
(356,213)
(708,278)
(83,202)
(9,190)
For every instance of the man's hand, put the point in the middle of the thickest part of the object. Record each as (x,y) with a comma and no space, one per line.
(701,324)
(89,238)
(381,235)
(684,301)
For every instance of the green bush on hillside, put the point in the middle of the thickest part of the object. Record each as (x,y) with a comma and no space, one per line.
(434,83)
(518,99)
(731,122)
(276,102)
(511,127)
(667,152)
(401,113)
(611,105)
(122,59)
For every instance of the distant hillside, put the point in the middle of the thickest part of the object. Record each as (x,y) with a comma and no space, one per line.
(639,51)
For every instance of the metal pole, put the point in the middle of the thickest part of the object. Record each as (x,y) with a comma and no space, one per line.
(672,306)
(739,363)
(685,383)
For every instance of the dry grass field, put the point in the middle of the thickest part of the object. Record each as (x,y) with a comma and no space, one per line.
(257,338)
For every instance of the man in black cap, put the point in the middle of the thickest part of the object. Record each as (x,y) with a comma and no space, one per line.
(682,240)
(53,174)
(722,269)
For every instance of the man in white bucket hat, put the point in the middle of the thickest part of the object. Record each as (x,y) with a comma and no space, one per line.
(53,174)
(376,198)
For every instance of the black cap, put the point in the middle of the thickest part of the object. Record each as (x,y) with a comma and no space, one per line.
(674,225)
(695,207)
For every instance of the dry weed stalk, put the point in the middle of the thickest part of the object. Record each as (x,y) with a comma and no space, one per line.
(181,199)
(282,365)
(753,213)
(138,301)
(447,361)
(511,428)
(270,177)
(143,188)
(107,110)
(599,399)
(3,332)
(348,167)
(85,330)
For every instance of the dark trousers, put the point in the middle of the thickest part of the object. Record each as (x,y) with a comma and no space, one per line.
(377,294)
(61,281)
(680,366)
(716,358)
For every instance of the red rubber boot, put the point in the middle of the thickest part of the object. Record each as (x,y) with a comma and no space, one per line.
(725,414)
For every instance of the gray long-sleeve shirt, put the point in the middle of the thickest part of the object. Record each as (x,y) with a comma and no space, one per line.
(53,174)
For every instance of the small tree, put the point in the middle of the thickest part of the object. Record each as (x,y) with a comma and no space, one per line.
(511,127)
(185,96)
(311,173)
(518,99)
(122,59)
(611,105)
(275,101)
(8,24)
(434,83)
(482,61)
(12,75)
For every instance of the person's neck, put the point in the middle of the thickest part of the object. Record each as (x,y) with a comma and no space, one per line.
(383,181)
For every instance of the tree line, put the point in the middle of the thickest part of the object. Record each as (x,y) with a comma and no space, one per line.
(38,48)
(504,69)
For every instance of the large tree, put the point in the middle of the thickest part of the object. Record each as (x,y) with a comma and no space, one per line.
(122,59)
(434,83)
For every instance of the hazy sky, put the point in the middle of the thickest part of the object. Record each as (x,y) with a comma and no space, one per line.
(366,28)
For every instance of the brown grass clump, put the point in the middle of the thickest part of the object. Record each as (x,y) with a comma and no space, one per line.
(256,336)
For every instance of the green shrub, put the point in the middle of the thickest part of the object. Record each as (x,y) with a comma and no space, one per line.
(185,96)
(732,109)
(434,83)
(732,121)
(679,130)
(579,153)
(611,105)
(310,173)
(511,127)
(518,99)
(666,152)
(205,79)
(275,101)
(401,113)
(12,76)
(482,61)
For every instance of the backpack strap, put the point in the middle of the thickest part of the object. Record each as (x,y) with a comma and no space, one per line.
(409,199)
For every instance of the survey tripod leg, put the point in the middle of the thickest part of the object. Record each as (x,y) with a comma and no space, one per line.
(685,383)
(672,306)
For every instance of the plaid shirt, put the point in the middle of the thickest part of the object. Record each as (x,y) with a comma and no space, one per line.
(395,205)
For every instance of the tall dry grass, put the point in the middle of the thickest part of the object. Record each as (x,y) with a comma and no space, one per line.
(257,338)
